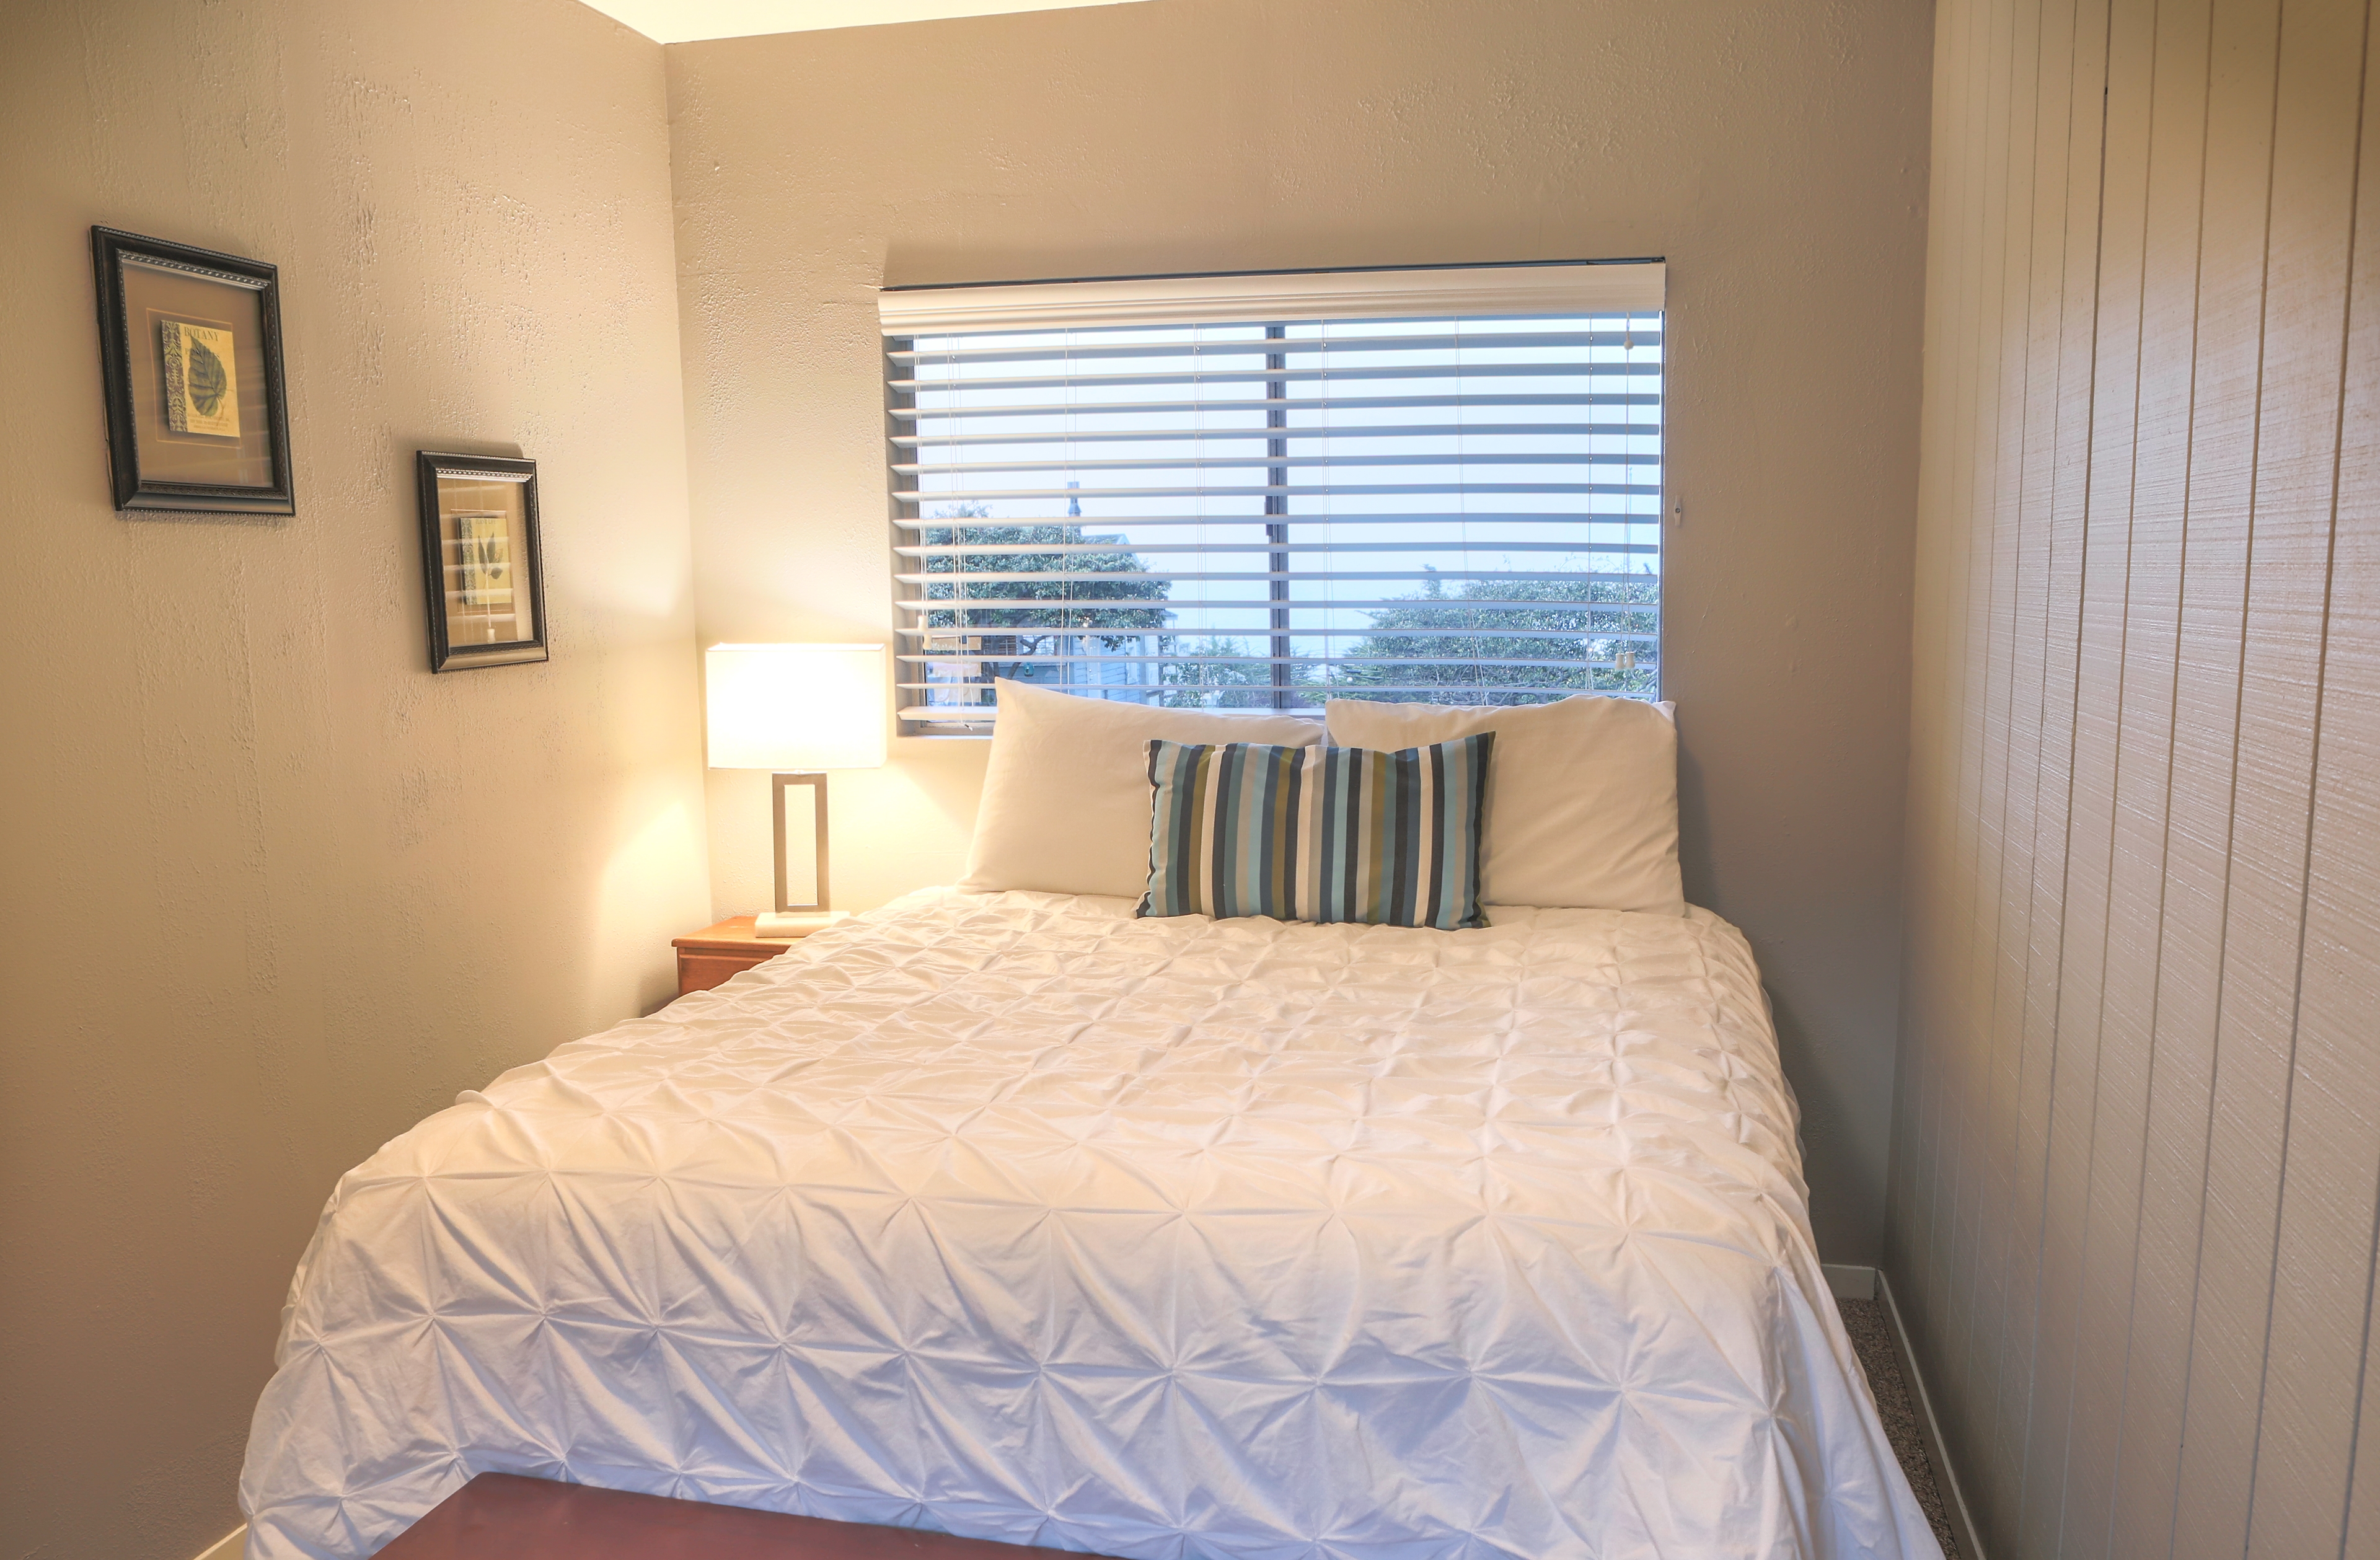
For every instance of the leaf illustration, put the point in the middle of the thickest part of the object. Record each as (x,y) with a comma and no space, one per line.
(207,379)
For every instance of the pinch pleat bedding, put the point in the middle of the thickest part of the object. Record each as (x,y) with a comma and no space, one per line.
(1020,1217)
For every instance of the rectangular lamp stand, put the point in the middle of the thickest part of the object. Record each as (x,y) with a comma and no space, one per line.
(815,780)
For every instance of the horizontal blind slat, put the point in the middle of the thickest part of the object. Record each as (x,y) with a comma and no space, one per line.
(1301,695)
(929,655)
(1284,490)
(1300,523)
(1315,520)
(1562,663)
(1259,604)
(1338,403)
(1260,346)
(1260,376)
(1124,549)
(1299,432)
(1243,577)
(1361,460)
(937,644)
(1324,525)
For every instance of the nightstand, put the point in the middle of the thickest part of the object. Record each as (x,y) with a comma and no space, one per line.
(708,956)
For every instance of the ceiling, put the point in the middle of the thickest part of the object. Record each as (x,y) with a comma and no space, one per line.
(684,21)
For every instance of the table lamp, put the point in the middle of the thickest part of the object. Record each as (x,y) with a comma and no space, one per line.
(796,710)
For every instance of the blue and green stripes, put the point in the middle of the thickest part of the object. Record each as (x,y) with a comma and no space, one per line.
(1317,833)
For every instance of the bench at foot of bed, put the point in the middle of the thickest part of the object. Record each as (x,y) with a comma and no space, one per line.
(505,1517)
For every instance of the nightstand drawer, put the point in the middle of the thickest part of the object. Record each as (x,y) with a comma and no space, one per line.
(711,956)
(699,972)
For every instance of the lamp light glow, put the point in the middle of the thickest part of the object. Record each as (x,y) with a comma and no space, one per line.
(795,706)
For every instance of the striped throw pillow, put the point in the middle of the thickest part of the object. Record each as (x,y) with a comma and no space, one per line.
(1317,833)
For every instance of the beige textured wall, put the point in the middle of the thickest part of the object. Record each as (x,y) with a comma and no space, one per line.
(270,890)
(2138,1145)
(1774,152)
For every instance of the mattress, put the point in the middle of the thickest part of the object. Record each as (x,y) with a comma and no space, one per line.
(1016,1216)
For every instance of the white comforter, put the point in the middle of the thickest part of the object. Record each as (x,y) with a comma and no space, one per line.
(1012,1216)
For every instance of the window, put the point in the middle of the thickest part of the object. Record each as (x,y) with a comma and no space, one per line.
(1269,491)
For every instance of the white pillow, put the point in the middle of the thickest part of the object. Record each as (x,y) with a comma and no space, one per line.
(1582,795)
(1065,802)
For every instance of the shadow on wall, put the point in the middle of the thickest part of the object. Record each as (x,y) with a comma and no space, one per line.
(1693,823)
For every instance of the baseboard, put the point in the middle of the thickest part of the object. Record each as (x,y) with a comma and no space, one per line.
(231,1546)
(1929,1429)
(1848,1282)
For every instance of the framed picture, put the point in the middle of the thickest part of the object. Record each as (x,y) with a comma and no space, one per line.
(482,573)
(190,352)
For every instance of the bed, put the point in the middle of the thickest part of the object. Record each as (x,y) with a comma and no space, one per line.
(1014,1215)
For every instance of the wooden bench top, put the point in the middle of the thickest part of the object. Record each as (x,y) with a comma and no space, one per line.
(505,1517)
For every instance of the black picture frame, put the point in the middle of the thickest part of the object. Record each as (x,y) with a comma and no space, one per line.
(236,459)
(466,632)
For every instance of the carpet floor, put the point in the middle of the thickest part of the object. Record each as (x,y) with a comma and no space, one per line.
(1872,1338)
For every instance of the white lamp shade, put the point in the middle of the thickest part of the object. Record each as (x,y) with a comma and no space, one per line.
(795,706)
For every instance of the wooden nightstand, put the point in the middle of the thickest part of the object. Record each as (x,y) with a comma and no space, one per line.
(708,956)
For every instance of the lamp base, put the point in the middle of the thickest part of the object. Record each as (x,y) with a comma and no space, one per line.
(795,923)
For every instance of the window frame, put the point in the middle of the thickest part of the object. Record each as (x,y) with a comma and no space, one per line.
(1439,295)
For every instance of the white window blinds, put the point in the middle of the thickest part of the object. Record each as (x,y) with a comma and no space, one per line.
(1269,490)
